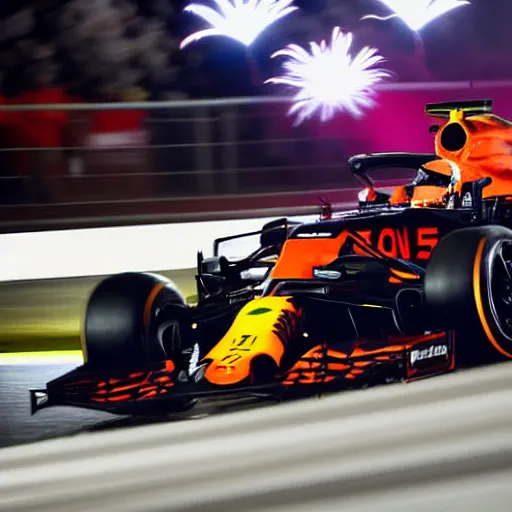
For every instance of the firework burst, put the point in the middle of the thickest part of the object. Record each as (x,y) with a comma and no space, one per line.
(329,79)
(241,20)
(416,14)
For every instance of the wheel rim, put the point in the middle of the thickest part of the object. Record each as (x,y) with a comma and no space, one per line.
(500,289)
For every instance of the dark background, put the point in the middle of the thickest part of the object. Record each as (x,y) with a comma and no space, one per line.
(56,51)
(470,43)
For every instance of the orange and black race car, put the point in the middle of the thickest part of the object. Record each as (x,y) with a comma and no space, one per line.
(386,293)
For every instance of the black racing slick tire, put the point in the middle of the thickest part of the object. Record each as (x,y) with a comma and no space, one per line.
(132,318)
(468,287)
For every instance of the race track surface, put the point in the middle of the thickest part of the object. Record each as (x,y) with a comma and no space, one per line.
(17,426)
(442,444)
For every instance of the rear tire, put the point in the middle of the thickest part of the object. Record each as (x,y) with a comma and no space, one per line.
(468,287)
(124,318)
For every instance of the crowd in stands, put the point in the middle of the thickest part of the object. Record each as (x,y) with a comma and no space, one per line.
(102,49)
(55,51)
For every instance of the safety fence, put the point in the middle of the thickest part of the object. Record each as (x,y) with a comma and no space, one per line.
(71,164)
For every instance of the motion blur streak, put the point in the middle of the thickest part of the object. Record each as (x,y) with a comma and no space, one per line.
(439,444)
(102,251)
(42,358)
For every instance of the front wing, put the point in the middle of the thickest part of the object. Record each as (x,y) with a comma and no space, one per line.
(162,388)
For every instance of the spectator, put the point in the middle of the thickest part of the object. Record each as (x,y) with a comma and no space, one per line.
(42,133)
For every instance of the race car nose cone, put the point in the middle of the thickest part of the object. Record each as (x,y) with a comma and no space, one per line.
(261,329)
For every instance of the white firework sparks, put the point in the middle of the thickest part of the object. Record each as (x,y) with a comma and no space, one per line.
(418,13)
(329,79)
(242,20)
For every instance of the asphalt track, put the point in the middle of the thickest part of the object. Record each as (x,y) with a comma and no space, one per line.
(440,444)
(17,426)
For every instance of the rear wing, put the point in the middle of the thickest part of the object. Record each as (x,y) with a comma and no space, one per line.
(446,110)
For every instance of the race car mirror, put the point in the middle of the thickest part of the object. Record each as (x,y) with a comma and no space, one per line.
(212,265)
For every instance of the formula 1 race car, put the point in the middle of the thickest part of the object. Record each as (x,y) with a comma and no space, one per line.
(386,293)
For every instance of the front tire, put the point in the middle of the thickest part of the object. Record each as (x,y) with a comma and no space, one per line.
(124,318)
(468,287)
